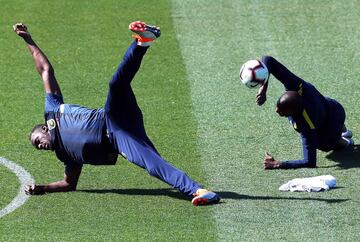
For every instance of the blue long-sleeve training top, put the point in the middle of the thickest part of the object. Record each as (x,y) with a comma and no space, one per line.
(321,121)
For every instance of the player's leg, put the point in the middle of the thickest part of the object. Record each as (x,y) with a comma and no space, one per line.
(121,105)
(120,83)
(143,155)
(338,131)
(145,35)
(129,65)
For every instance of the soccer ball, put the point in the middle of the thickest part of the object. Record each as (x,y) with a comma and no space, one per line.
(253,73)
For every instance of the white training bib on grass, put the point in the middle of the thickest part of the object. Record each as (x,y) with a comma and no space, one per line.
(309,184)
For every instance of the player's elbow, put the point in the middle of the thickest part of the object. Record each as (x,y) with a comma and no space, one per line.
(310,164)
(72,186)
(269,62)
(47,68)
(45,71)
(42,64)
(69,187)
(268,59)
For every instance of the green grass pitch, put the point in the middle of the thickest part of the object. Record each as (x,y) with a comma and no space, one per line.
(196,111)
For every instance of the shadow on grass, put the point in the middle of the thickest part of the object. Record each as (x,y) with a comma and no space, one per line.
(345,159)
(225,195)
(140,192)
(236,196)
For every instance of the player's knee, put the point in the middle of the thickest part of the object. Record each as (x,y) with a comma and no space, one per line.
(114,84)
(153,171)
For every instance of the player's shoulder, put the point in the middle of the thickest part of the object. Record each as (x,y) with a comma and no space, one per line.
(53,102)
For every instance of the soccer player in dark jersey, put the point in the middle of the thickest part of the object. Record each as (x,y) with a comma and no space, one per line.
(79,135)
(318,119)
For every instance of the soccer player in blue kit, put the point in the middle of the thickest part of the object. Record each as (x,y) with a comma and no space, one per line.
(318,119)
(79,135)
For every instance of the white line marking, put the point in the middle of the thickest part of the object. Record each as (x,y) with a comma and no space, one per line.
(25,179)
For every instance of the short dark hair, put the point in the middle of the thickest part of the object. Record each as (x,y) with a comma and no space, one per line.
(290,101)
(37,128)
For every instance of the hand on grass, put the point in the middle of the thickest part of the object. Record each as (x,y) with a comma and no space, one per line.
(270,162)
(34,190)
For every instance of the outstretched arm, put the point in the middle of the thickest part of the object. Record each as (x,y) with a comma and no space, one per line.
(309,151)
(290,81)
(69,183)
(270,163)
(42,63)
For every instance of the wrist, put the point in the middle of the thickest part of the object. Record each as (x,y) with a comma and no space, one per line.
(28,39)
(39,190)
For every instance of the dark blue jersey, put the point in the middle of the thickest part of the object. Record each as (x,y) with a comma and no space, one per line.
(78,133)
(321,120)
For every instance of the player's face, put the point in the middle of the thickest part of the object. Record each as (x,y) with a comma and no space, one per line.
(280,112)
(283,112)
(41,140)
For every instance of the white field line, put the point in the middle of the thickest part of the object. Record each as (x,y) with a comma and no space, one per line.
(25,179)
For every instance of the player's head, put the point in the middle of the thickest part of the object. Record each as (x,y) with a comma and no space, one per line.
(289,104)
(40,137)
